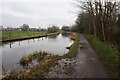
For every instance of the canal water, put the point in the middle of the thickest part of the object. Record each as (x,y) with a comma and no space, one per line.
(13,51)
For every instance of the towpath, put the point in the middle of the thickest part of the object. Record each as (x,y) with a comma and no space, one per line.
(85,65)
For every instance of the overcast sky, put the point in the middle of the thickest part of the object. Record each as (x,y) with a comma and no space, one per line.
(37,13)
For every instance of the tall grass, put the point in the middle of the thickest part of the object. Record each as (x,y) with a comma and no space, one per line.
(107,55)
(44,60)
(27,59)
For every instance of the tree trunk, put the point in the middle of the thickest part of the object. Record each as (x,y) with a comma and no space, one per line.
(103,30)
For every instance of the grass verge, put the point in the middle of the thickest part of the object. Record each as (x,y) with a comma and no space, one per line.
(74,47)
(107,54)
(20,34)
(10,35)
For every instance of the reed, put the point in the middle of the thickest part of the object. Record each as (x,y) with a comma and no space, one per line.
(27,59)
(45,61)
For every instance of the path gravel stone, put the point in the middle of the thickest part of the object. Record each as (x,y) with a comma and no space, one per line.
(85,65)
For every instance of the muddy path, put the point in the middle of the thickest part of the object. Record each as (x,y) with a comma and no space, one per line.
(85,65)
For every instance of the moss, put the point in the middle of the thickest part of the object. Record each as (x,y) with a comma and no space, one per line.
(107,55)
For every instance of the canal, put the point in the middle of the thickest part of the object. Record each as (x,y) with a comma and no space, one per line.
(13,51)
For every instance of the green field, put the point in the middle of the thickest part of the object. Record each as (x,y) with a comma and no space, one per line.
(20,34)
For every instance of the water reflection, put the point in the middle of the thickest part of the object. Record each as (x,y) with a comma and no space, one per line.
(50,38)
(5,43)
(10,45)
(13,51)
(19,43)
(38,39)
(33,40)
(65,34)
(53,36)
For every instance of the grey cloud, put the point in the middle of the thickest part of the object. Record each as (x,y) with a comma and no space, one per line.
(37,14)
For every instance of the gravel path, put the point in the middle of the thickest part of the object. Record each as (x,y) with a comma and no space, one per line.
(85,65)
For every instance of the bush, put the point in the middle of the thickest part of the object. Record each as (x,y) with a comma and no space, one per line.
(52,29)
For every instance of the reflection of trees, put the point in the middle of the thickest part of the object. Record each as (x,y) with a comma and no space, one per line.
(6,43)
(53,36)
(65,34)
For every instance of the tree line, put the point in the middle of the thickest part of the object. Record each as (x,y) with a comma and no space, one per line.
(100,18)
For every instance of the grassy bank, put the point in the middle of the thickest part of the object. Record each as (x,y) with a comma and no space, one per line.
(73,48)
(20,34)
(44,62)
(107,54)
(24,36)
